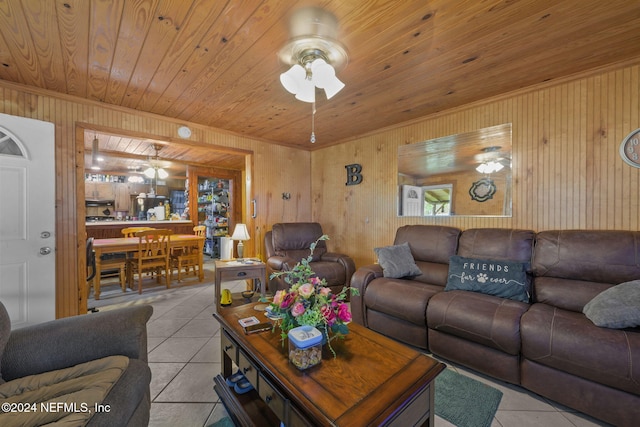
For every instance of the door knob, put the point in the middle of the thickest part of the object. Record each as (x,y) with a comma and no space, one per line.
(45,251)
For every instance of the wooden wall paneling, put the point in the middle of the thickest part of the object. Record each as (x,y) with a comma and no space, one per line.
(80,240)
(582,122)
(567,172)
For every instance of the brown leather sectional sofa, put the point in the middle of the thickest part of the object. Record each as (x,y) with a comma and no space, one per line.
(546,345)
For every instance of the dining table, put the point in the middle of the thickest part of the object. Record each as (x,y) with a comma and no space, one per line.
(130,244)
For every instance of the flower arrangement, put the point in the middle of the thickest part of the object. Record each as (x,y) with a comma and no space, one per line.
(309,301)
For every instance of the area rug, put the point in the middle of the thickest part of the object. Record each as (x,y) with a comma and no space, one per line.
(465,402)
(223,422)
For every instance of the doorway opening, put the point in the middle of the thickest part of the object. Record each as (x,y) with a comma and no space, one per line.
(127,156)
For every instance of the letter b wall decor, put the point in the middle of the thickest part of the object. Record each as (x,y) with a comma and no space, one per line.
(354,177)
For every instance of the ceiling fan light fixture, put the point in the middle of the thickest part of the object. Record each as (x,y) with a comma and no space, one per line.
(311,68)
(489,167)
(313,50)
(154,170)
(315,55)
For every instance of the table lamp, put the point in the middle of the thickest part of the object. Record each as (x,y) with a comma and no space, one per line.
(240,233)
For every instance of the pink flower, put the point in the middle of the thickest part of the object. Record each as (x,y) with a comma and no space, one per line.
(297,309)
(279,297)
(288,300)
(343,313)
(328,314)
(315,281)
(325,291)
(306,290)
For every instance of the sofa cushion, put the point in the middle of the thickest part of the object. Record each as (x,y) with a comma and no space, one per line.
(497,243)
(484,319)
(5,331)
(401,298)
(78,389)
(430,243)
(617,307)
(569,342)
(396,261)
(604,256)
(503,279)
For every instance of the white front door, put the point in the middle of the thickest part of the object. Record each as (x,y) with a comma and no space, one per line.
(27,220)
(412,201)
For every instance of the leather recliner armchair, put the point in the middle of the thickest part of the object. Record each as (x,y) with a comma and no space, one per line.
(288,243)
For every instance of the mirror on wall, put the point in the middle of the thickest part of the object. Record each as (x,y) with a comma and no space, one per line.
(465,174)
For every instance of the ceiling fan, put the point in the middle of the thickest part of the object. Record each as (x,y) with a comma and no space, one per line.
(314,54)
(155,169)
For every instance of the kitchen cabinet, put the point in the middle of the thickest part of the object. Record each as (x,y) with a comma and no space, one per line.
(122,198)
(99,190)
(136,188)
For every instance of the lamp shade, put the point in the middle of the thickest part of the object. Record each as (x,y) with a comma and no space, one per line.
(292,78)
(321,72)
(240,232)
(162,174)
(332,87)
(307,92)
(150,172)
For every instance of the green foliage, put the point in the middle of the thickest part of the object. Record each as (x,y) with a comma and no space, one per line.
(309,301)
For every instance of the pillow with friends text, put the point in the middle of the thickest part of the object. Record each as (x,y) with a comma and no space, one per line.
(505,279)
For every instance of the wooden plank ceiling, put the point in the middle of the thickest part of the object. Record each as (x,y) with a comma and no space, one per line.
(215,62)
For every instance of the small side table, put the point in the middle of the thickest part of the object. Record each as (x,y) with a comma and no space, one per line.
(236,270)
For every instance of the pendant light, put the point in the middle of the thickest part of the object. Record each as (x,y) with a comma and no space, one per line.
(95,153)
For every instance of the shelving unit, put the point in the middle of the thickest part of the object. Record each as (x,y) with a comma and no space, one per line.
(213,203)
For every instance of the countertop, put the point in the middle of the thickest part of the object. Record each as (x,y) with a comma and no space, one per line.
(135,223)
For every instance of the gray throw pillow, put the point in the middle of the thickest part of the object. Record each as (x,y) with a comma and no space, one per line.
(397,262)
(5,331)
(618,307)
(505,279)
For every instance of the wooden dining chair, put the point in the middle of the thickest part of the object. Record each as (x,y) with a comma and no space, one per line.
(200,230)
(152,255)
(188,256)
(131,231)
(111,265)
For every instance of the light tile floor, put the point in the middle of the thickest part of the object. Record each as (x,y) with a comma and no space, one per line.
(184,356)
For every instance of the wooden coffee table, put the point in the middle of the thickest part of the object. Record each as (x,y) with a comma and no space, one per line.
(373,381)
